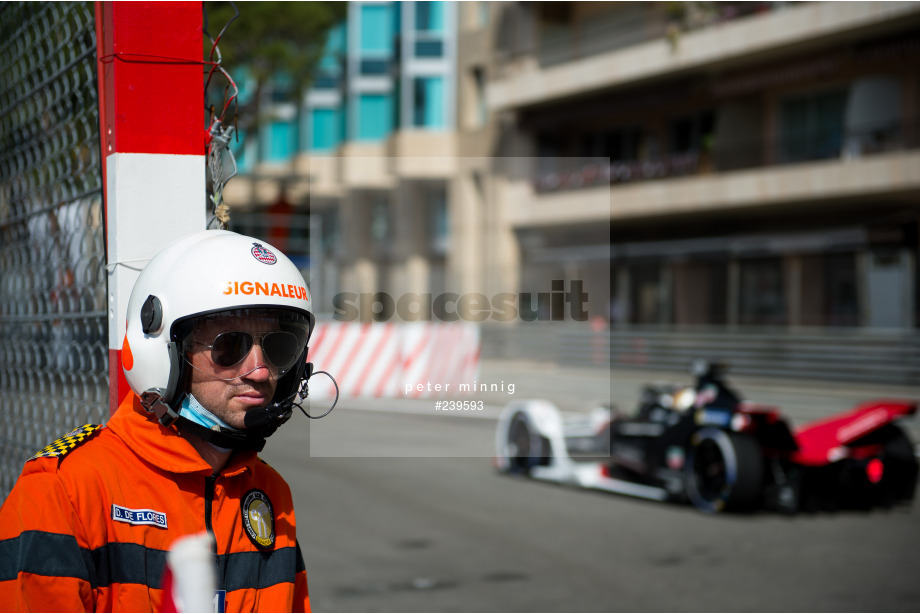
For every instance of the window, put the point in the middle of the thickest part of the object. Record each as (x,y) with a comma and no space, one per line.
(700,292)
(692,133)
(873,115)
(280,141)
(375,67)
(428,102)
(330,229)
(325,82)
(330,67)
(623,145)
(333,54)
(280,88)
(380,220)
(762,299)
(549,152)
(429,48)
(375,116)
(549,145)
(645,293)
(429,16)
(325,134)
(438,219)
(841,288)
(829,290)
(376,29)
(429,26)
(812,126)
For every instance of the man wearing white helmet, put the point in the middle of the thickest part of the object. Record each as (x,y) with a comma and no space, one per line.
(215,354)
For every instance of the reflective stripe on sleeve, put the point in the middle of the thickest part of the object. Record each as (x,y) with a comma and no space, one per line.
(43,554)
(57,555)
(301,566)
(124,563)
(257,569)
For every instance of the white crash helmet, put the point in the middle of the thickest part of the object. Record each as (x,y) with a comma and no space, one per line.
(202,274)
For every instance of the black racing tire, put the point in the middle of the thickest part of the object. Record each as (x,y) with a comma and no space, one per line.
(524,446)
(724,471)
(901,476)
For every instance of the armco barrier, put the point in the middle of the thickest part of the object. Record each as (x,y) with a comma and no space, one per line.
(387,359)
(859,355)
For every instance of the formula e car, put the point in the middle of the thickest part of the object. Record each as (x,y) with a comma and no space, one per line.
(705,445)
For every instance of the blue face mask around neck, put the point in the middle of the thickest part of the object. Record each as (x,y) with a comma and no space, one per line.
(195,411)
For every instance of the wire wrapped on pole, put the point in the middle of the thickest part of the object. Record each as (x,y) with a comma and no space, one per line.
(218,143)
(219,134)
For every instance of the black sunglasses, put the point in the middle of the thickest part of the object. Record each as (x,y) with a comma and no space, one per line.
(281,348)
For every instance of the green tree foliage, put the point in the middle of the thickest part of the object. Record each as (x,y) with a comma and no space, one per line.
(270,40)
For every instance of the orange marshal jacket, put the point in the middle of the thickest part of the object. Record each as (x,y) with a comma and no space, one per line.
(86,528)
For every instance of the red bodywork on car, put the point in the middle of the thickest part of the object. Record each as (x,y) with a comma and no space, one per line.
(823,442)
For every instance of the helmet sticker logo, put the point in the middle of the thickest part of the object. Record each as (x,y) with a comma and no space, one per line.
(258,519)
(263,254)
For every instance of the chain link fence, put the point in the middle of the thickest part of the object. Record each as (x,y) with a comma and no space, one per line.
(53,328)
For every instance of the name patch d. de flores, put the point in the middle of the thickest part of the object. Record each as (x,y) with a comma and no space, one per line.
(259,519)
(147,517)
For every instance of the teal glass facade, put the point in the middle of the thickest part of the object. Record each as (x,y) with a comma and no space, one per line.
(376,29)
(326,133)
(335,49)
(428,102)
(386,68)
(279,141)
(375,117)
(429,16)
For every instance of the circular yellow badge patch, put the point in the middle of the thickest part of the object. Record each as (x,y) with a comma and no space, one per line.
(259,519)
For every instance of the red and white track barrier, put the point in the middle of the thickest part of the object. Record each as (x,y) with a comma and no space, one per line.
(387,359)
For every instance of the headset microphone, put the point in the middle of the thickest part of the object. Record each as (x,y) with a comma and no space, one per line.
(305,390)
(268,419)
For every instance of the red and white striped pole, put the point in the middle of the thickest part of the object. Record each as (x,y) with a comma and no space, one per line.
(151,116)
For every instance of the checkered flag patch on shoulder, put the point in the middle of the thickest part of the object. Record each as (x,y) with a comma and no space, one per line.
(68,442)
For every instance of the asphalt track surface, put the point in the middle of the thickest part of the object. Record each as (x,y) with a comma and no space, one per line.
(399,509)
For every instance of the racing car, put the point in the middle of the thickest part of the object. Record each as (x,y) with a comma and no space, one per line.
(703,444)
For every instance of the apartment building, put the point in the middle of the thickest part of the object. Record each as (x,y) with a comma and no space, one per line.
(757,163)
(376,155)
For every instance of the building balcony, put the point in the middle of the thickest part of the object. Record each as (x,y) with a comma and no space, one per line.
(528,80)
(264,184)
(894,174)
(870,137)
(364,166)
(422,154)
(324,173)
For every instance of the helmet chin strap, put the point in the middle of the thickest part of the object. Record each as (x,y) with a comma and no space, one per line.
(225,438)
(254,439)
(260,423)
